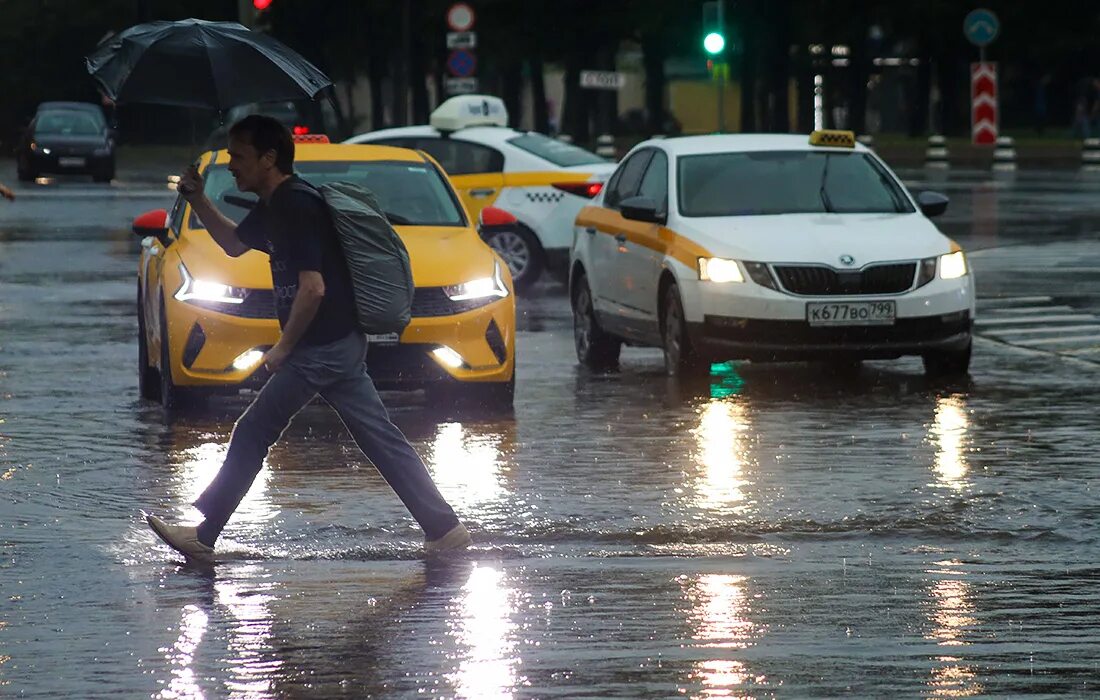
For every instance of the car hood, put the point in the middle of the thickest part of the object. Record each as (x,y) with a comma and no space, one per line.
(440,255)
(63,141)
(819,238)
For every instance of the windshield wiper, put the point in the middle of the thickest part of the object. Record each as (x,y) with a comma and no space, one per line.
(821,191)
(397,219)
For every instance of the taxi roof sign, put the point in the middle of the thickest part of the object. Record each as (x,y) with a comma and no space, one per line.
(464,111)
(836,138)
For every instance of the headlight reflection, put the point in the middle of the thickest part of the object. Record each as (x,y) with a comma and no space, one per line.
(720,617)
(721,456)
(485,629)
(200,464)
(467,467)
(951,612)
(949,434)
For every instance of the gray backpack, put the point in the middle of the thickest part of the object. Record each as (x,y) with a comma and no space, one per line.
(381,276)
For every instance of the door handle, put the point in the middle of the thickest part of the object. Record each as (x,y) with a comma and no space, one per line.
(591,231)
(620,237)
(483,192)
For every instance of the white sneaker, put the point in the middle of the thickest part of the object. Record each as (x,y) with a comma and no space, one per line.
(458,537)
(182,538)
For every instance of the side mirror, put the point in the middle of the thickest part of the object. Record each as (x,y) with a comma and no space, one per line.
(642,209)
(932,203)
(152,223)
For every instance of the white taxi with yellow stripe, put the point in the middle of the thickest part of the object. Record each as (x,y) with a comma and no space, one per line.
(540,181)
(767,247)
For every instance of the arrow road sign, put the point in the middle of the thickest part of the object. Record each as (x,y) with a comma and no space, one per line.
(983,103)
(981,27)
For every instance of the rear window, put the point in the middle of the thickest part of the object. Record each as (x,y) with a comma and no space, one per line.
(411,194)
(557,152)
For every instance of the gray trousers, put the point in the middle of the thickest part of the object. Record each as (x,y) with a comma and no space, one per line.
(337,372)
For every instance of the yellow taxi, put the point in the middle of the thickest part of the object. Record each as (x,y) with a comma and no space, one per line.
(205,319)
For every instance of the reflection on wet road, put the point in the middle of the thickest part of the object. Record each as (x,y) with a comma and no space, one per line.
(772,530)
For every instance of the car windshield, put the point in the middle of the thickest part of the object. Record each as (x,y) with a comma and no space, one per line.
(557,152)
(67,123)
(786,182)
(411,194)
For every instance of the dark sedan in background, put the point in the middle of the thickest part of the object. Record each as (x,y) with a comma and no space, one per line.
(67,137)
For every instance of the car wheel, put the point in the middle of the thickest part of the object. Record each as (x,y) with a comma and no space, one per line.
(948,363)
(681,359)
(596,349)
(148,379)
(521,251)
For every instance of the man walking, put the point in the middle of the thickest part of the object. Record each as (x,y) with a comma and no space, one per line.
(321,351)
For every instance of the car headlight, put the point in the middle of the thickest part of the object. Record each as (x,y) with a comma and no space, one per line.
(46,151)
(479,288)
(204,290)
(953,265)
(720,270)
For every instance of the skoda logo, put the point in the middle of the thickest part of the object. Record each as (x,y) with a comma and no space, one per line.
(847,260)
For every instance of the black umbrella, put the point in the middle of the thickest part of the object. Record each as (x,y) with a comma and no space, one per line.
(195,63)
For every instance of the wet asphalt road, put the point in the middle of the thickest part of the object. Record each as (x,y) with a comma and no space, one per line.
(773,531)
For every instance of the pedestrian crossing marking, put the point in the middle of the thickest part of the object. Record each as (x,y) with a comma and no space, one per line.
(1030,319)
(1059,341)
(1038,322)
(1038,331)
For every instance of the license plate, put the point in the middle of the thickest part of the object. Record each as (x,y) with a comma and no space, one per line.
(851,313)
(382,338)
(71,162)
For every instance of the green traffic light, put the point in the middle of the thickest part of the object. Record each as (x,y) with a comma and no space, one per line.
(714,43)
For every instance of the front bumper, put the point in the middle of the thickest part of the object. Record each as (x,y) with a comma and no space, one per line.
(728,338)
(56,163)
(749,321)
(204,343)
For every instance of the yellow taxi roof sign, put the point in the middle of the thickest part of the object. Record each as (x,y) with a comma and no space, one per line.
(835,138)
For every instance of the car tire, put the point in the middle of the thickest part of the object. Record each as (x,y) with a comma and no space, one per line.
(520,249)
(948,363)
(596,348)
(148,377)
(681,359)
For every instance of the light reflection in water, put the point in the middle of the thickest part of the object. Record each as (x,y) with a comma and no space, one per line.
(484,627)
(199,466)
(949,433)
(253,665)
(721,455)
(720,615)
(183,684)
(467,467)
(952,617)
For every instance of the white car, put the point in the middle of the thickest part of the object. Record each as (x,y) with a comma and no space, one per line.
(540,181)
(767,247)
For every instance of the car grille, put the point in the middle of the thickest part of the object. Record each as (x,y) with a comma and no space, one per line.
(427,302)
(818,280)
(258,303)
(433,301)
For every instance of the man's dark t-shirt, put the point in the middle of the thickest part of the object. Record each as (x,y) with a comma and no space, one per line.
(295,229)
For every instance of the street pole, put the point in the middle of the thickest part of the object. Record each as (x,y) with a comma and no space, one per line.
(720,70)
(246,14)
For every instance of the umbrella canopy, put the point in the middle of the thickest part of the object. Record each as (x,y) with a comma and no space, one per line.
(195,63)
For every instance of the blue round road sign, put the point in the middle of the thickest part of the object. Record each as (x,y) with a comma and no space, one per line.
(461,63)
(981,27)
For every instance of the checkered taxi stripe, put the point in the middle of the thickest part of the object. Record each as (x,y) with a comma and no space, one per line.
(551,196)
